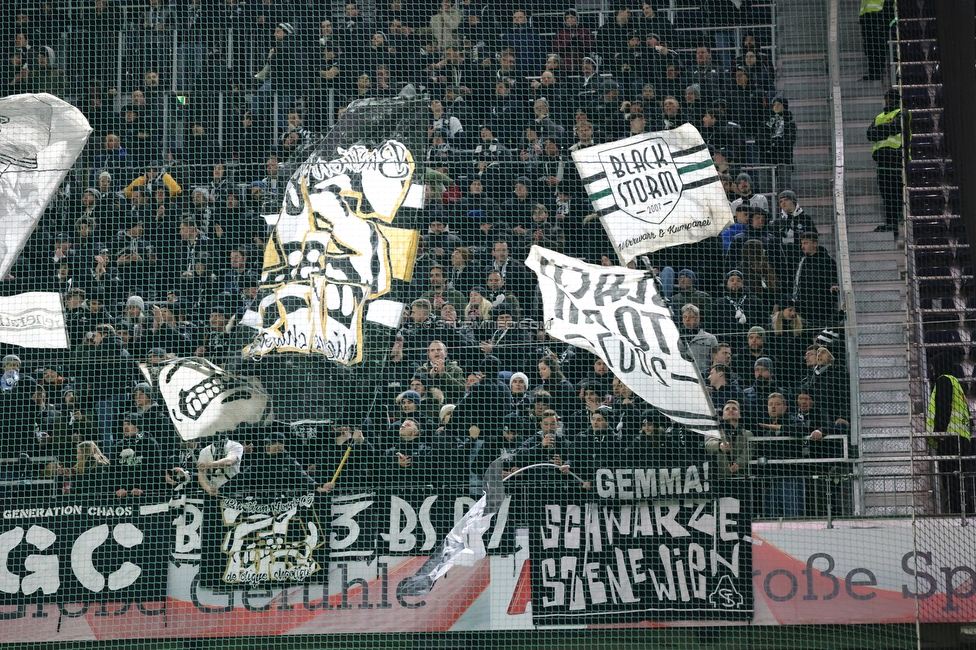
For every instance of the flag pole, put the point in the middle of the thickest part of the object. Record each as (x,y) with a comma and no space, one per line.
(345,457)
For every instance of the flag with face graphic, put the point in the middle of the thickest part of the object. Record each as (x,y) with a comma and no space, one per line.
(203,400)
(335,251)
(654,190)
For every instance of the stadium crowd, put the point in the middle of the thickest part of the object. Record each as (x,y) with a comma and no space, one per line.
(157,240)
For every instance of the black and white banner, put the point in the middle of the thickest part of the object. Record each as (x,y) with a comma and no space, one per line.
(79,551)
(646,544)
(366,524)
(254,542)
(615,313)
(654,190)
(33,320)
(250,542)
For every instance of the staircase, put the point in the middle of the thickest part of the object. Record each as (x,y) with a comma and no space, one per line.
(877,261)
(878,267)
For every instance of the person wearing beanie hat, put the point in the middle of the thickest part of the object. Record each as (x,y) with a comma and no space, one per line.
(572,42)
(746,193)
(656,443)
(789,225)
(518,385)
(46,76)
(755,348)
(688,293)
(764,362)
(735,311)
(11,362)
(693,105)
(155,421)
(410,396)
(281,75)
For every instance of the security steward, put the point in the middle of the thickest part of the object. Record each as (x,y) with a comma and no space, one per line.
(949,427)
(875,17)
(891,134)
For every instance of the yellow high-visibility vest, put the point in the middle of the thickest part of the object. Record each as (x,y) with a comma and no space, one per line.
(892,141)
(959,422)
(871,6)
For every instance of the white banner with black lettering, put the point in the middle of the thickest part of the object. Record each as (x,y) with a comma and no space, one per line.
(615,313)
(33,320)
(654,190)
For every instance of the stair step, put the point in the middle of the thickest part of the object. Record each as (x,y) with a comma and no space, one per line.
(874,318)
(883,397)
(884,242)
(868,217)
(886,408)
(888,486)
(880,306)
(885,433)
(879,265)
(874,468)
(881,446)
(887,368)
(886,422)
(893,284)
(887,337)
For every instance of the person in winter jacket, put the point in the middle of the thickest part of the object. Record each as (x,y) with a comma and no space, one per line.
(721,388)
(735,311)
(138,468)
(814,282)
(779,138)
(698,342)
(789,225)
(572,42)
(735,445)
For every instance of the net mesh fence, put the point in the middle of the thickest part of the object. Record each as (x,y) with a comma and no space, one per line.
(416,324)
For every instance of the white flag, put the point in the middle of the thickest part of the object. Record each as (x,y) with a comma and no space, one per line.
(654,190)
(616,314)
(33,320)
(203,400)
(40,138)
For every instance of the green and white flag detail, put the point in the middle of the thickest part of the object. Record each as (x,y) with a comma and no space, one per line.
(654,190)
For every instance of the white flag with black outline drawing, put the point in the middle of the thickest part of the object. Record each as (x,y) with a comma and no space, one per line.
(616,313)
(654,190)
(203,400)
(40,138)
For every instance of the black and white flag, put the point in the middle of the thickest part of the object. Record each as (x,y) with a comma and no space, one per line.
(615,313)
(40,138)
